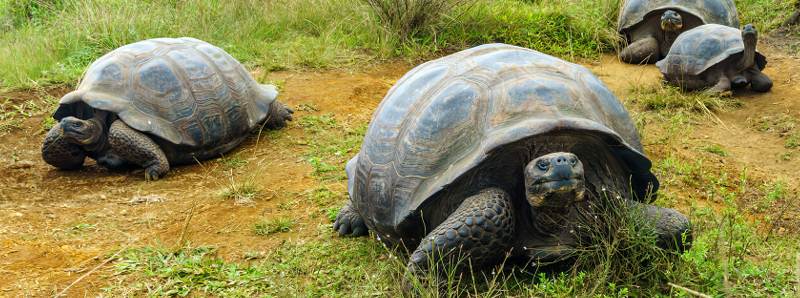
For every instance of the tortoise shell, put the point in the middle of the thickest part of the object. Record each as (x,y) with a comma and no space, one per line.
(185,91)
(697,50)
(444,117)
(709,11)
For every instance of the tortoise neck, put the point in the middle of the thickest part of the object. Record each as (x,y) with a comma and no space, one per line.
(749,54)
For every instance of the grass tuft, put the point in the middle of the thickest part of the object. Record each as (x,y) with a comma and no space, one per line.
(280,225)
(241,192)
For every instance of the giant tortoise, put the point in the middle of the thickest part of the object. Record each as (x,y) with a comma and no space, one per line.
(649,27)
(497,149)
(718,58)
(160,102)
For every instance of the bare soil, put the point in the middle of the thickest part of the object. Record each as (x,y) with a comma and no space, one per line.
(56,225)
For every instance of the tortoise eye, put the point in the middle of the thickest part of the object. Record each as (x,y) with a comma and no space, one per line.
(542,165)
(573,161)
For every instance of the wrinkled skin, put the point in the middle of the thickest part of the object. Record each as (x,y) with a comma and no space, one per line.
(114,144)
(483,226)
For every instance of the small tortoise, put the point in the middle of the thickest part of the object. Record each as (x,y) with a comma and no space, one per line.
(160,102)
(650,27)
(716,57)
(496,149)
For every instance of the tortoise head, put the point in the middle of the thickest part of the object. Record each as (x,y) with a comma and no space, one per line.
(671,21)
(554,180)
(81,132)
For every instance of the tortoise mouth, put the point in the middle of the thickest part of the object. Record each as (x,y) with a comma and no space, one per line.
(559,185)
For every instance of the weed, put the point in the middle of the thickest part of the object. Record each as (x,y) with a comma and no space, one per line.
(715,149)
(233,162)
(280,225)
(669,98)
(407,18)
(243,192)
(793,141)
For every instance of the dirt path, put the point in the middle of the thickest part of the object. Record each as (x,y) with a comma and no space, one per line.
(55,225)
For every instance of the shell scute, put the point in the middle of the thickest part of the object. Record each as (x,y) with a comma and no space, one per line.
(443,118)
(182,90)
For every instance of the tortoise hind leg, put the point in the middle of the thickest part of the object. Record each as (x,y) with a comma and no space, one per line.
(349,222)
(135,147)
(643,51)
(481,229)
(278,115)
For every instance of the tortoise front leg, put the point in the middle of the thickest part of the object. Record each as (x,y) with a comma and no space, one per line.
(59,153)
(759,82)
(673,228)
(135,147)
(643,51)
(481,230)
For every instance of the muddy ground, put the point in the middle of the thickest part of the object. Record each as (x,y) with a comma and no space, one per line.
(56,226)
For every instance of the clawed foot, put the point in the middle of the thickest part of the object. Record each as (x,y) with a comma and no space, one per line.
(279,114)
(153,173)
(349,223)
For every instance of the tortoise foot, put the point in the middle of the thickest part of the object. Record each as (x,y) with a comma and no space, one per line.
(278,116)
(349,223)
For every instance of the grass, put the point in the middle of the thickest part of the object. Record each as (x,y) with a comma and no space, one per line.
(52,42)
(241,192)
(743,244)
(268,227)
(671,99)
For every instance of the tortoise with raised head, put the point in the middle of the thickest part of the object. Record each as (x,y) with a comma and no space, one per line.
(718,58)
(157,103)
(649,27)
(496,149)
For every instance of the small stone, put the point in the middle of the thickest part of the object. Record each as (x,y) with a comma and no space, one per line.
(22,164)
(17,214)
(146,199)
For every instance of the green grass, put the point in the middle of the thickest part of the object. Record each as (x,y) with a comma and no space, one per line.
(50,42)
(268,227)
(241,192)
(671,99)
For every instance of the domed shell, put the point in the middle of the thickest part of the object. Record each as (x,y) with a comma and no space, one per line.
(443,117)
(709,11)
(183,90)
(696,50)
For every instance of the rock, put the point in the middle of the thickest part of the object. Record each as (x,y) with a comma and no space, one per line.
(137,199)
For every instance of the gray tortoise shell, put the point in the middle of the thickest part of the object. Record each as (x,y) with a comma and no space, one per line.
(709,11)
(183,90)
(444,117)
(696,50)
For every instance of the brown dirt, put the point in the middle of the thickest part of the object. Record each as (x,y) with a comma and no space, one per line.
(57,225)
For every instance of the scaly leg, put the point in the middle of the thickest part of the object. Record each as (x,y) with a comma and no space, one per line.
(136,147)
(673,228)
(481,230)
(349,223)
(759,82)
(278,115)
(643,51)
(59,153)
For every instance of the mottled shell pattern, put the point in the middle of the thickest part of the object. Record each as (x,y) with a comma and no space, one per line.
(183,90)
(443,117)
(696,50)
(709,11)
